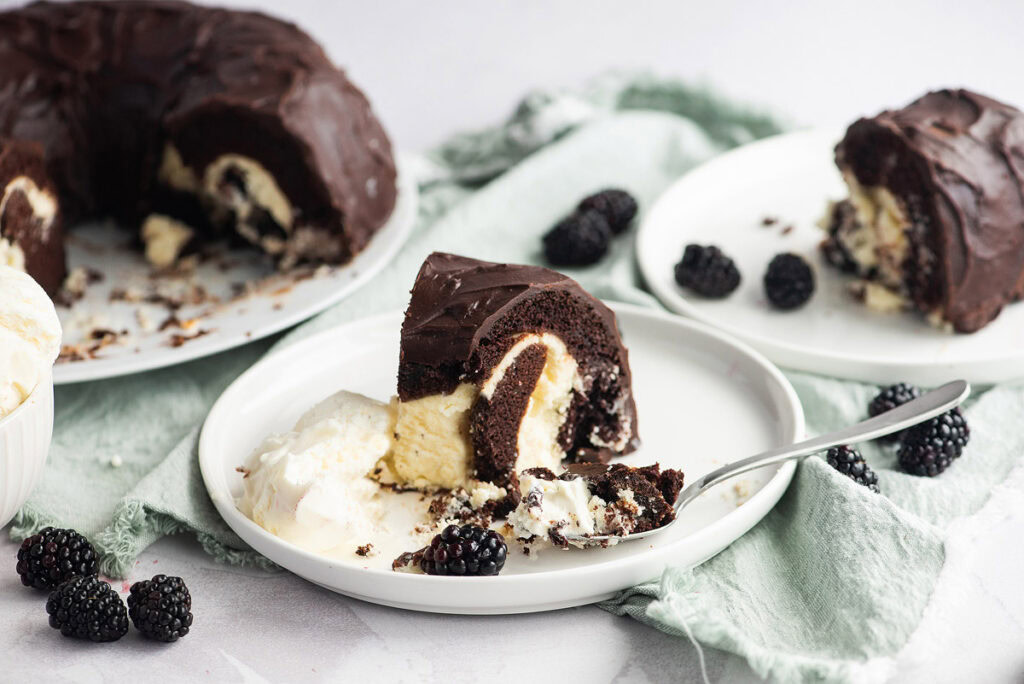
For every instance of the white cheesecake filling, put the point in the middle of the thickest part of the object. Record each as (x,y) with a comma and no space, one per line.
(877,242)
(253,191)
(11,255)
(309,486)
(433,448)
(569,509)
(44,205)
(164,238)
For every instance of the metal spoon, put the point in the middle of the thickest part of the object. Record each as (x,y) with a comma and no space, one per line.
(913,412)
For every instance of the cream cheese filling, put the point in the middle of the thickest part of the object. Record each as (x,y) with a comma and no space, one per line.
(164,238)
(44,205)
(433,448)
(11,255)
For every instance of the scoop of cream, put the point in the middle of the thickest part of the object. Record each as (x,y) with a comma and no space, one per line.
(310,487)
(29,337)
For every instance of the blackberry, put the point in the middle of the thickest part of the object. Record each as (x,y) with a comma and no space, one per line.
(928,449)
(466,550)
(891,397)
(161,607)
(580,239)
(707,271)
(851,464)
(789,281)
(85,607)
(617,206)
(52,556)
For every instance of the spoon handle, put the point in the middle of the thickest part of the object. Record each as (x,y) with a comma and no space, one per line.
(913,412)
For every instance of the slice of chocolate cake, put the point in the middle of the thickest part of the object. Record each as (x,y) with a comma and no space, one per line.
(935,216)
(593,499)
(31,238)
(505,368)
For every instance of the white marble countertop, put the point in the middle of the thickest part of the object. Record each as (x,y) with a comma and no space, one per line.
(251,626)
(433,68)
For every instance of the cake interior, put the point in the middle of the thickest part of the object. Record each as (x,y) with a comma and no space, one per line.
(437,436)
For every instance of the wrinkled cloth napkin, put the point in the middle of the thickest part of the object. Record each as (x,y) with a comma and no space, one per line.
(830,586)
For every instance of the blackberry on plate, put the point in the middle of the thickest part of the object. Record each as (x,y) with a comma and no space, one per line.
(161,608)
(850,463)
(889,398)
(54,555)
(789,281)
(617,206)
(707,271)
(466,550)
(86,607)
(928,449)
(580,239)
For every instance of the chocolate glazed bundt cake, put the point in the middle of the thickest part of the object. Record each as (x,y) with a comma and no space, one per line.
(505,368)
(188,122)
(935,216)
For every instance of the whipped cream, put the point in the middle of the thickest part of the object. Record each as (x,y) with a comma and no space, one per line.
(310,487)
(30,337)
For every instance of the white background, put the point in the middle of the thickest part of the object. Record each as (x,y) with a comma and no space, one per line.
(432,68)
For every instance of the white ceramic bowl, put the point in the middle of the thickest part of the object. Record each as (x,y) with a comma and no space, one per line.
(24,443)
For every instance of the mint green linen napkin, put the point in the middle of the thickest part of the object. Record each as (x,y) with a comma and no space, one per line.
(830,586)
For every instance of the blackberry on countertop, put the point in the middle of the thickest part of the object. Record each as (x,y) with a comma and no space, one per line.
(86,607)
(466,550)
(161,608)
(580,239)
(707,271)
(850,463)
(617,206)
(54,555)
(890,398)
(928,449)
(789,281)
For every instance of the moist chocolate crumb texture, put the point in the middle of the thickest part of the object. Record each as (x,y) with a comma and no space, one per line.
(934,220)
(184,123)
(504,368)
(593,499)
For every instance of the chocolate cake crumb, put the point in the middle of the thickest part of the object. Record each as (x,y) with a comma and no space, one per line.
(178,340)
(408,561)
(769,221)
(364,550)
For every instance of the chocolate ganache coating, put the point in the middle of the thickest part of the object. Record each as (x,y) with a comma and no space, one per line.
(465,314)
(108,87)
(956,160)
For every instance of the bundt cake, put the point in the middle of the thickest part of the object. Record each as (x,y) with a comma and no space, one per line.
(187,123)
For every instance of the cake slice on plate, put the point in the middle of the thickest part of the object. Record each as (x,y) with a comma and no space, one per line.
(504,368)
(935,215)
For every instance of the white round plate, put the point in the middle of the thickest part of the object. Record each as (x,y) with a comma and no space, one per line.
(703,400)
(790,177)
(226,318)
